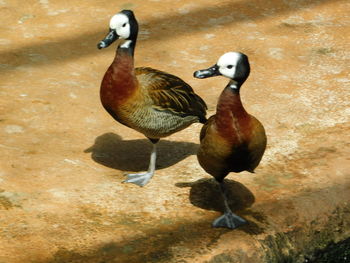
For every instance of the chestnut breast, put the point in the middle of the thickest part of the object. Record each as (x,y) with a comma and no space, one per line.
(119,91)
(231,140)
(119,82)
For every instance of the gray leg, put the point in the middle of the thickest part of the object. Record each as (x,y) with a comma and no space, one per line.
(143,178)
(228,219)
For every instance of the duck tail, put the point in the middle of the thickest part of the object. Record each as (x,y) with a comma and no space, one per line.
(203,119)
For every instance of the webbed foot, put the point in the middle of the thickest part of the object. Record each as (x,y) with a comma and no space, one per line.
(140,179)
(229,220)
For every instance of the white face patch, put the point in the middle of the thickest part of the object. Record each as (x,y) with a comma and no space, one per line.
(120,23)
(227,64)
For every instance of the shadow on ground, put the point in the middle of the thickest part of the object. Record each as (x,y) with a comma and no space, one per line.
(205,193)
(161,238)
(156,245)
(162,28)
(112,151)
(159,241)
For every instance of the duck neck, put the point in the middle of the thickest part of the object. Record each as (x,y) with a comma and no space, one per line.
(123,76)
(230,114)
(127,46)
(119,82)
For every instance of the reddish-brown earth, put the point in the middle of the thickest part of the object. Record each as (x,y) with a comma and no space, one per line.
(63,157)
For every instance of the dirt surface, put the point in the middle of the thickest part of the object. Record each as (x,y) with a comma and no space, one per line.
(63,157)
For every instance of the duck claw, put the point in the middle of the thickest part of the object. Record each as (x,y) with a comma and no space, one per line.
(229,220)
(140,179)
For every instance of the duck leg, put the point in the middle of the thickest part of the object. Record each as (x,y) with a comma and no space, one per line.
(228,219)
(141,179)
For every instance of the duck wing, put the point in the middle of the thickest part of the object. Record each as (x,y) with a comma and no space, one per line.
(205,127)
(170,93)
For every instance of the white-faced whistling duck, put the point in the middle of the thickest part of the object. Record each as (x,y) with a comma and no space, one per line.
(147,100)
(232,140)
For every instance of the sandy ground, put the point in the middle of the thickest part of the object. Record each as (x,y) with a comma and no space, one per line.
(63,158)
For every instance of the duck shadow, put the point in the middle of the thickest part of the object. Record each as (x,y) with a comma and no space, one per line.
(205,193)
(112,151)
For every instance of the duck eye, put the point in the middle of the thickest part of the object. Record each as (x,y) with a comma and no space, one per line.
(124,25)
(229,66)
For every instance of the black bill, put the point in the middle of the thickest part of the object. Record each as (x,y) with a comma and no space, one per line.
(109,39)
(206,73)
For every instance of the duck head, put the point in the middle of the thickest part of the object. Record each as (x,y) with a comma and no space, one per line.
(122,25)
(233,65)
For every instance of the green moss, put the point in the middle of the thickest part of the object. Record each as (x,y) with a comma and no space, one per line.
(127,249)
(127,6)
(324,51)
(222,258)
(306,27)
(8,200)
(295,246)
(166,221)
(333,253)
(268,182)
(5,203)
(279,249)
(327,149)
(285,24)
(306,128)
(127,220)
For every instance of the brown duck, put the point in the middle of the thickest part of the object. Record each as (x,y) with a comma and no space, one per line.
(232,140)
(150,101)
